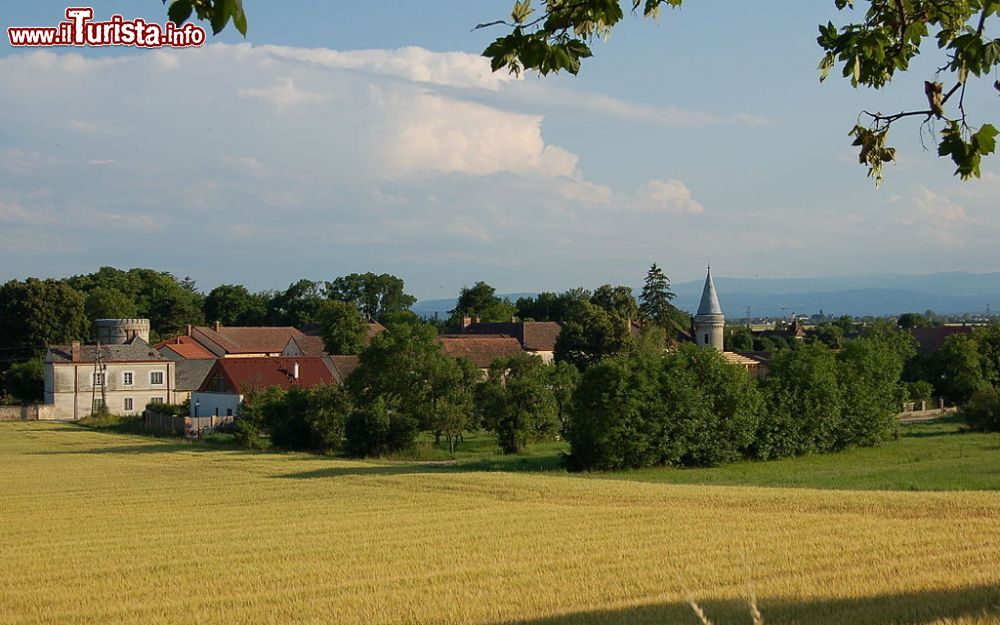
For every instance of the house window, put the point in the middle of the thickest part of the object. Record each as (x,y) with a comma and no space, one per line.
(99,378)
(229,412)
(98,405)
(156,377)
(156,400)
(128,379)
(128,404)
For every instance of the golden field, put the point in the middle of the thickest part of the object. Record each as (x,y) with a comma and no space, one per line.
(104,528)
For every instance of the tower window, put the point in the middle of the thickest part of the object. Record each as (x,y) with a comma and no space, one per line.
(706,339)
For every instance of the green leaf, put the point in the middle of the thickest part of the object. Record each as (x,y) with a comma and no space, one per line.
(220,15)
(179,11)
(985,140)
(239,17)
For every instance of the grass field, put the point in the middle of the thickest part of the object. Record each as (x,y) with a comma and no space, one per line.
(107,528)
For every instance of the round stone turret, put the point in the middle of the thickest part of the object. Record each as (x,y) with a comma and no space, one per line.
(709,322)
(120,331)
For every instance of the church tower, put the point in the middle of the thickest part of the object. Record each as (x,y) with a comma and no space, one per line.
(709,321)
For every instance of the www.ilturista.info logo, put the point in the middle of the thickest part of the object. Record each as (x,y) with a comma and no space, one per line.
(79,29)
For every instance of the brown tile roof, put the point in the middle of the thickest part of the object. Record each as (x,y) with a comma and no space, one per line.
(344,366)
(929,340)
(262,373)
(310,345)
(536,336)
(185,347)
(482,350)
(244,340)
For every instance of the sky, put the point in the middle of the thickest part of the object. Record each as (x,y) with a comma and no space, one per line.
(349,137)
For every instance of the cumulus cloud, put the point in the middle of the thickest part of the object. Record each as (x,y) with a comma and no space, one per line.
(671,196)
(427,132)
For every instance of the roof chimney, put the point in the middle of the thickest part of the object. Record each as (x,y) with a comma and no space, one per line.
(218,326)
(189,330)
(74,351)
(295,371)
(466,322)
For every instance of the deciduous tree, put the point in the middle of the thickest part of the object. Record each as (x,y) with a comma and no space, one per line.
(344,329)
(517,402)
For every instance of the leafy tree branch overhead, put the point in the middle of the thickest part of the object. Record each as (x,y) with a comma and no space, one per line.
(549,36)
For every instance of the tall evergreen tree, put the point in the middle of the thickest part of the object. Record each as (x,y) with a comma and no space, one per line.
(655,301)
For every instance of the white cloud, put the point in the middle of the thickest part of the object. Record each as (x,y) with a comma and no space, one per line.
(453,69)
(939,210)
(282,95)
(605,106)
(407,161)
(670,196)
(248,165)
(430,133)
(92,126)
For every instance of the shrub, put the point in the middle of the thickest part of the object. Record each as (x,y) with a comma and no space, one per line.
(379,429)
(247,435)
(920,390)
(170,410)
(804,403)
(25,381)
(983,410)
(688,407)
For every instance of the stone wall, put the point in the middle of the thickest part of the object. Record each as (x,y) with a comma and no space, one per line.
(27,412)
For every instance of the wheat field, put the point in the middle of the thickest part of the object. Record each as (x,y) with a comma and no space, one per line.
(102,528)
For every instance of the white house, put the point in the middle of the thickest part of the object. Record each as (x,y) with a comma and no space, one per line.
(79,379)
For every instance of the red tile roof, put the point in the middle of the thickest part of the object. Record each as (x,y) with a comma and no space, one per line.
(186,347)
(482,350)
(232,375)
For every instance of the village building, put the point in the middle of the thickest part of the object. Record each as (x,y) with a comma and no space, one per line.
(535,337)
(189,376)
(219,341)
(708,325)
(223,389)
(480,350)
(930,340)
(182,348)
(81,379)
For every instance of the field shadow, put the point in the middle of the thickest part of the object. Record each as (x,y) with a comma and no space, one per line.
(165,447)
(58,428)
(916,608)
(534,464)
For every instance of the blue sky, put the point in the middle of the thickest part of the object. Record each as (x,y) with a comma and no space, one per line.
(343,137)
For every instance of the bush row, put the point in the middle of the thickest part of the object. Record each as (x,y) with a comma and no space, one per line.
(690,407)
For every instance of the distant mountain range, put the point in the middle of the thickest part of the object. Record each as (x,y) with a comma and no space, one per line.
(880,294)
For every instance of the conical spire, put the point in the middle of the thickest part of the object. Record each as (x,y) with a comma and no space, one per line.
(709,298)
